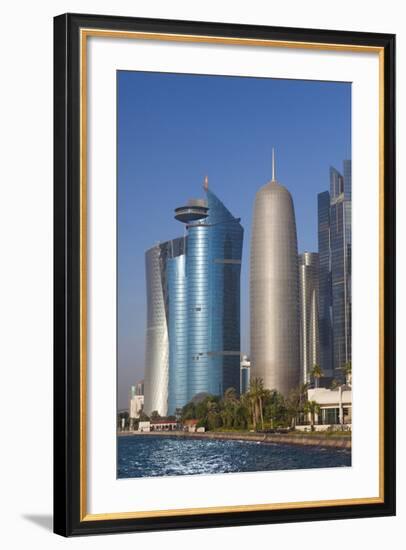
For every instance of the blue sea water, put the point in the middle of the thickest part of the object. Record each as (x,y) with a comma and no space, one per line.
(149,456)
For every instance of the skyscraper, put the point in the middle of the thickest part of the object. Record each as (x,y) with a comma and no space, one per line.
(325,289)
(245,366)
(204,303)
(157,340)
(274,289)
(335,272)
(340,245)
(309,314)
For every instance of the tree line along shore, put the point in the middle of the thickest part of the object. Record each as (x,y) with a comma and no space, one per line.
(260,410)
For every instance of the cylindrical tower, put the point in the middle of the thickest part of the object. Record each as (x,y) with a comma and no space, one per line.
(211,345)
(157,344)
(309,326)
(157,261)
(274,290)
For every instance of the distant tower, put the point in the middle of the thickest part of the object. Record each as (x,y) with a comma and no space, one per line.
(340,250)
(309,315)
(335,303)
(274,289)
(245,366)
(325,289)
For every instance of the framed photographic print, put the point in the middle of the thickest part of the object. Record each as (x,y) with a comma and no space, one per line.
(224,274)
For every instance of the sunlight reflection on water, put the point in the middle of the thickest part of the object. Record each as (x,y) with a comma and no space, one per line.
(148,456)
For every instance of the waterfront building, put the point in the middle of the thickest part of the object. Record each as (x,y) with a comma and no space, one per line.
(204,303)
(157,342)
(245,368)
(136,406)
(309,314)
(190,425)
(144,426)
(335,405)
(335,303)
(163,425)
(274,289)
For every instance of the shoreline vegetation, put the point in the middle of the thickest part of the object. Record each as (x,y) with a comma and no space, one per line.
(254,414)
(336,440)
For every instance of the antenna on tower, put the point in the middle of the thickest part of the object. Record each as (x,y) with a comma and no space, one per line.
(206,183)
(273,164)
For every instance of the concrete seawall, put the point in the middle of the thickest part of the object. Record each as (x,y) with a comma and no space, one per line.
(336,441)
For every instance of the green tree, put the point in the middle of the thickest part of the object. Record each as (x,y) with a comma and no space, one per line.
(316,373)
(143,417)
(256,396)
(347,369)
(155,416)
(213,415)
(228,407)
(295,403)
(312,408)
(275,410)
(242,416)
(188,411)
(247,403)
(334,384)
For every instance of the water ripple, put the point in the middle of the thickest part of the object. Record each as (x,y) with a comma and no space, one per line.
(151,456)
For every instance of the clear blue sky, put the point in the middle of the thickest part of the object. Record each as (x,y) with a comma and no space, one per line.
(175,129)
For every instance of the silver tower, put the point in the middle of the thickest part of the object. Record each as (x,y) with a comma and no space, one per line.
(157,339)
(157,345)
(274,289)
(309,318)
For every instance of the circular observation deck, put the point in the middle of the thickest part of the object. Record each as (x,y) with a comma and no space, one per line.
(196,209)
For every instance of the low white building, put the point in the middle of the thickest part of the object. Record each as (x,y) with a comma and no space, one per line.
(335,408)
(136,406)
(164,425)
(144,426)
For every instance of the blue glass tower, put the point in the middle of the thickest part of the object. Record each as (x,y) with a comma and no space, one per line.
(334,229)
(204,303)
(340,246)
(325,291)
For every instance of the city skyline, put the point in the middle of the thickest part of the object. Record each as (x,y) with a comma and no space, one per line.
(236,181)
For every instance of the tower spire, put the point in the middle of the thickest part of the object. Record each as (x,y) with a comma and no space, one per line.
(273,164)
(206,183)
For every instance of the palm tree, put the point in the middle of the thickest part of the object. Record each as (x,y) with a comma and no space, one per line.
(347,369)
(212,414)
(257,393)
(303,394)
(334,384)
(229,407)
(296,401)
(316,373)
(155,416)
(248,401)
(312,408)
(274,407)
(230,395)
